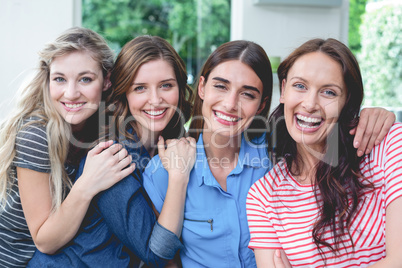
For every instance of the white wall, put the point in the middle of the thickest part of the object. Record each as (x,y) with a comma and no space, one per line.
(280,29)
(25,26)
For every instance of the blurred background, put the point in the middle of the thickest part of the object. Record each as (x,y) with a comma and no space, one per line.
(372,29)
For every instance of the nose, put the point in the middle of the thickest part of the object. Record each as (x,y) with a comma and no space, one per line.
(309,102)
(72,91)
(231,101)
(154,98)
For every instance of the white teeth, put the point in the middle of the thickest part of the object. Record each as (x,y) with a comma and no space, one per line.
(308,119)
(226,118)
(72,106)
(155,112)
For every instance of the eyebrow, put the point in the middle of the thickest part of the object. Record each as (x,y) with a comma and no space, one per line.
(162,81)
(244,86)
(79,74)
(326,85)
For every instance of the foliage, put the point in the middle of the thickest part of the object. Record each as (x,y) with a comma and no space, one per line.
(193,27)
(381,56)
(356,10)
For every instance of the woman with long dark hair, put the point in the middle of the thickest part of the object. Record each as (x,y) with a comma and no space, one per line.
(322,204)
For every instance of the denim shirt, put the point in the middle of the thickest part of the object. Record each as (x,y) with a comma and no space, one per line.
(119,229)
(215,229)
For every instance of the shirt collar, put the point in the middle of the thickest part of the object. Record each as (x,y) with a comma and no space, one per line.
(252,153)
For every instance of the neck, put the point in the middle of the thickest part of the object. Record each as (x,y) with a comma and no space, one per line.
(219,147)
(149,140)
(307,159)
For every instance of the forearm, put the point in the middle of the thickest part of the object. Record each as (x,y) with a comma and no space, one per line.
(62,225)
(385,263)
(129,215)
(172,213)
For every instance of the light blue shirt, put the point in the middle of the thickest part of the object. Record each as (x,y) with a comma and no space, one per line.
(215,229)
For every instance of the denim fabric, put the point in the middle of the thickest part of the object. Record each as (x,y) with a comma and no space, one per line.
(215,229)
(119,229)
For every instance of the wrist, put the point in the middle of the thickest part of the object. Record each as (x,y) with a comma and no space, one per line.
(81,189)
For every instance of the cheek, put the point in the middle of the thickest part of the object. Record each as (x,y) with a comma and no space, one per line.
(134,102)
(173,98)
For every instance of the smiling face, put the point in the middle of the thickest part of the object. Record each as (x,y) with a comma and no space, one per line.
(313,95)
(76,84)
(231,98)
(153,97)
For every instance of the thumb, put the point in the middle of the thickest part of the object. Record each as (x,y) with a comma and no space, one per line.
(161,147)
(278,260)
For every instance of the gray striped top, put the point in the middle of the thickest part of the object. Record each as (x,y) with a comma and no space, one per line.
(16,245)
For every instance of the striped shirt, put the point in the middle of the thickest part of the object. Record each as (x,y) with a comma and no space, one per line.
(281,212)
(16,244)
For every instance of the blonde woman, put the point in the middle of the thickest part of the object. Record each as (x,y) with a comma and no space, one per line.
(43,141)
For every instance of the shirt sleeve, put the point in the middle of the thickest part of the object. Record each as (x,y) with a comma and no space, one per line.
(127,212)
(156,180)
(392,164)
(32,148)
(262,232)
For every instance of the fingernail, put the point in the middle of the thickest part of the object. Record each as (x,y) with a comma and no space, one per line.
(359,153)
(277,253)
(357,144)
(368,151)
(377,142)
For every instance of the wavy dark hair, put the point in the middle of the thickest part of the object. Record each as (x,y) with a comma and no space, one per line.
(255,57)
(337,175)
(133,55)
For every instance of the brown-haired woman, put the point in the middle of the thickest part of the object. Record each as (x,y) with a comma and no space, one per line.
(150,95)
(322,204)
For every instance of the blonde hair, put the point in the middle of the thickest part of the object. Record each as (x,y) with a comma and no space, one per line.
(35,102)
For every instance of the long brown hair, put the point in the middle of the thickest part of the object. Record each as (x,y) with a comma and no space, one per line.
(133,55)
(337,176)
(255,57)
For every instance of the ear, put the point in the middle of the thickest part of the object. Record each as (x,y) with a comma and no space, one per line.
(283,86)
(262,105)
(106,82)
(201,87)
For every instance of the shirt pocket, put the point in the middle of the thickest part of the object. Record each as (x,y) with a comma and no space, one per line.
(200,225)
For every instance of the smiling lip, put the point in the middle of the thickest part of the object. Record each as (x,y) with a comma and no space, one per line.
(308,124)
(226,119)
(73,106)
(155,114)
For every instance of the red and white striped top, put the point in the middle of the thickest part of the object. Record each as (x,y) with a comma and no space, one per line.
(281,212)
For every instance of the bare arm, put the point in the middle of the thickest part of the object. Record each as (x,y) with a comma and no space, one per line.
(393,236)
(178,159)
(50,231)
(374,124)
(274,258)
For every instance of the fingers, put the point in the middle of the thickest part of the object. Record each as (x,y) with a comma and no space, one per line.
(360,129)
(389,121)
(278,260)
(192,141)
(100,147)
(374,124)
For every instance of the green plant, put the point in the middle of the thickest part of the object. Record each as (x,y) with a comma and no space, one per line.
(381,56)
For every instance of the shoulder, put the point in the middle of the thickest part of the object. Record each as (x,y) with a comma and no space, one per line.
(32,135)
(32,130)
(272,180)
(390,146)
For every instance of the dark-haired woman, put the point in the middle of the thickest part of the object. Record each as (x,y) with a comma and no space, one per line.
(322,204)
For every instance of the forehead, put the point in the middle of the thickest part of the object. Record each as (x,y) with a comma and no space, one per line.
(75,61)
(317,66)
(155,68)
